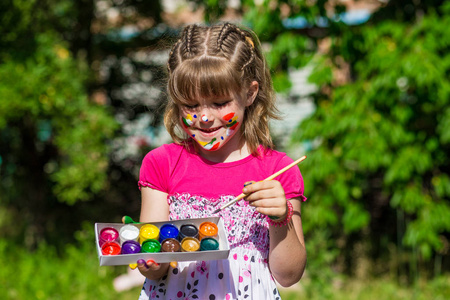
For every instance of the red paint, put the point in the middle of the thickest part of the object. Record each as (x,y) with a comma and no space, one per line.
(228,116)
(234,126)
(111,248)
(215,147)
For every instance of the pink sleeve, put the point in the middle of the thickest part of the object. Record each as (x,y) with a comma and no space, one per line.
(291,180)
(154,170)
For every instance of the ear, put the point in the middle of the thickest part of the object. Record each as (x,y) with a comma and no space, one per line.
(252,92)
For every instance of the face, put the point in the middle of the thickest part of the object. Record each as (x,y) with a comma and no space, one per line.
(214,122)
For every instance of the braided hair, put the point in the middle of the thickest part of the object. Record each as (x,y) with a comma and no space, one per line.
(215,61)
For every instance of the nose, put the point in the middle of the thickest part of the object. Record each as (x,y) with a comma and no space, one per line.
(206,116)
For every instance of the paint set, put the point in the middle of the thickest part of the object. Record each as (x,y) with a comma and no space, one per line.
(178,240)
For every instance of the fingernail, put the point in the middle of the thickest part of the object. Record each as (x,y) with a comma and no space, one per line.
(151,261)
(142,262)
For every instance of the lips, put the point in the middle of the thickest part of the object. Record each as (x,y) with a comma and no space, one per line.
(209,130)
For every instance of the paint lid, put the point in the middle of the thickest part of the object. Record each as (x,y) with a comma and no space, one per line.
(170,245)
(190,244)
(130,247)
(108,234)
(128,232)
(151,246)
(208,229)
(168,231)
(111,248)
(188,230)
(208,244)
(147,232)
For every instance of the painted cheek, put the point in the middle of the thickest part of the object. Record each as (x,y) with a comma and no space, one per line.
(228,116)
(188,120)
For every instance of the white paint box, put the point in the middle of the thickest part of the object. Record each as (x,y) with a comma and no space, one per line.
(165,257)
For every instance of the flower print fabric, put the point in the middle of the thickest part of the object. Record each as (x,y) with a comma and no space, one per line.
(245,274)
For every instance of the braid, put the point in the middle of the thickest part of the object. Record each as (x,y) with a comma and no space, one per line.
(226,30)
(172,59)
(188,37)
(248,40)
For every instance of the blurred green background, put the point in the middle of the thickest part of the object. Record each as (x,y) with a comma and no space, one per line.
(81,100)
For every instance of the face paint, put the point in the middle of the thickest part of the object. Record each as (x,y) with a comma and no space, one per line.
(188,121)
(232,123)
(214,122)
(209,146)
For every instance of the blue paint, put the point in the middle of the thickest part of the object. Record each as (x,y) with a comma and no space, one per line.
(168,231)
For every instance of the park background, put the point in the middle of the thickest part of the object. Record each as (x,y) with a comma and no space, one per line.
(364,86)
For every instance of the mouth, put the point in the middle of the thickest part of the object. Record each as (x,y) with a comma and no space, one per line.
(209,130)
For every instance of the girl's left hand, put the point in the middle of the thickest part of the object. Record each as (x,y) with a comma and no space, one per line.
(268,197)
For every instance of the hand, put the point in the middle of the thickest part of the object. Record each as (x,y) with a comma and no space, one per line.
(149,269)
(267,197)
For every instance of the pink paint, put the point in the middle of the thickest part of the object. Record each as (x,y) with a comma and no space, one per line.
(108,234)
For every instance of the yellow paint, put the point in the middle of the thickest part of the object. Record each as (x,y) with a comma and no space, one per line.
(147,232)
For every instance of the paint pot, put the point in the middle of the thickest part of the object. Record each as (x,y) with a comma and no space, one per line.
(190,244)
(148,232)
(151,246)
(170,245)
(188,230)
(168,231)
(108,234)
(208,244)
(130,247)
(208,230)
(128,233)
(110,248)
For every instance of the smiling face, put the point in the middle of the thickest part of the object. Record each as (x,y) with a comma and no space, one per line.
(213,122)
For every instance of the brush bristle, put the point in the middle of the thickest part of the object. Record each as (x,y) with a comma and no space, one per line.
(216,211)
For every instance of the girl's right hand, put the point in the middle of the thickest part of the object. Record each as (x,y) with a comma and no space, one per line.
(151,269)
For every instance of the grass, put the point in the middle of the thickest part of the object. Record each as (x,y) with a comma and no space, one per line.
(75,274)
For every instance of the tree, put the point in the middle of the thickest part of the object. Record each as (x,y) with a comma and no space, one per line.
(53,145)
(377,172)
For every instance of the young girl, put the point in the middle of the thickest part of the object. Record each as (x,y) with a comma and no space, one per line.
(220,103)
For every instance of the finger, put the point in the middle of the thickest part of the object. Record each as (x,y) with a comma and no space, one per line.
(271,211)
(153,265)
(248,183)
(268,194)
(142,265)
(260,185)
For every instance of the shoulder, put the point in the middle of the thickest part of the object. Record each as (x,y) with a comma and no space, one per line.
(165,151)
(273,158)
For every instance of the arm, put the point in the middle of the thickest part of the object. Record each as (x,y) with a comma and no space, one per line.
(154,208)
(285,242)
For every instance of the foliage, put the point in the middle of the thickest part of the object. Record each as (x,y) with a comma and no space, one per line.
(44,89)
(378,169)
(44,274)
(75,274)
(54,140)
(382,138)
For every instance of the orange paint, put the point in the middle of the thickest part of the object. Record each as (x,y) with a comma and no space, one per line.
(208,229)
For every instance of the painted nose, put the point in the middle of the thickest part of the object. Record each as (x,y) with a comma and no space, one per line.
(205,116)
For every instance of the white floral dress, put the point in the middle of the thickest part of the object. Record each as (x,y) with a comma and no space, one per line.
(244,275)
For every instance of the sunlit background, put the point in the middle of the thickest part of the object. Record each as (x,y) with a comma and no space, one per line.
(364,90)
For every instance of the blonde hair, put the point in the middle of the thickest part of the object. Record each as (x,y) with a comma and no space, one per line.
(220,60)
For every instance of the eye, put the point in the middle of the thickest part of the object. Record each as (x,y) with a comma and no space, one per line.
(222,104)
(190,106)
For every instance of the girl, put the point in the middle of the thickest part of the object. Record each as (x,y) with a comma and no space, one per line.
(220,103)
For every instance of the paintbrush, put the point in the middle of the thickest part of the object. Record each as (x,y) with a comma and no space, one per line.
(267,179)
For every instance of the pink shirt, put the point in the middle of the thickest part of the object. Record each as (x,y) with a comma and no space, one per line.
(173,169)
